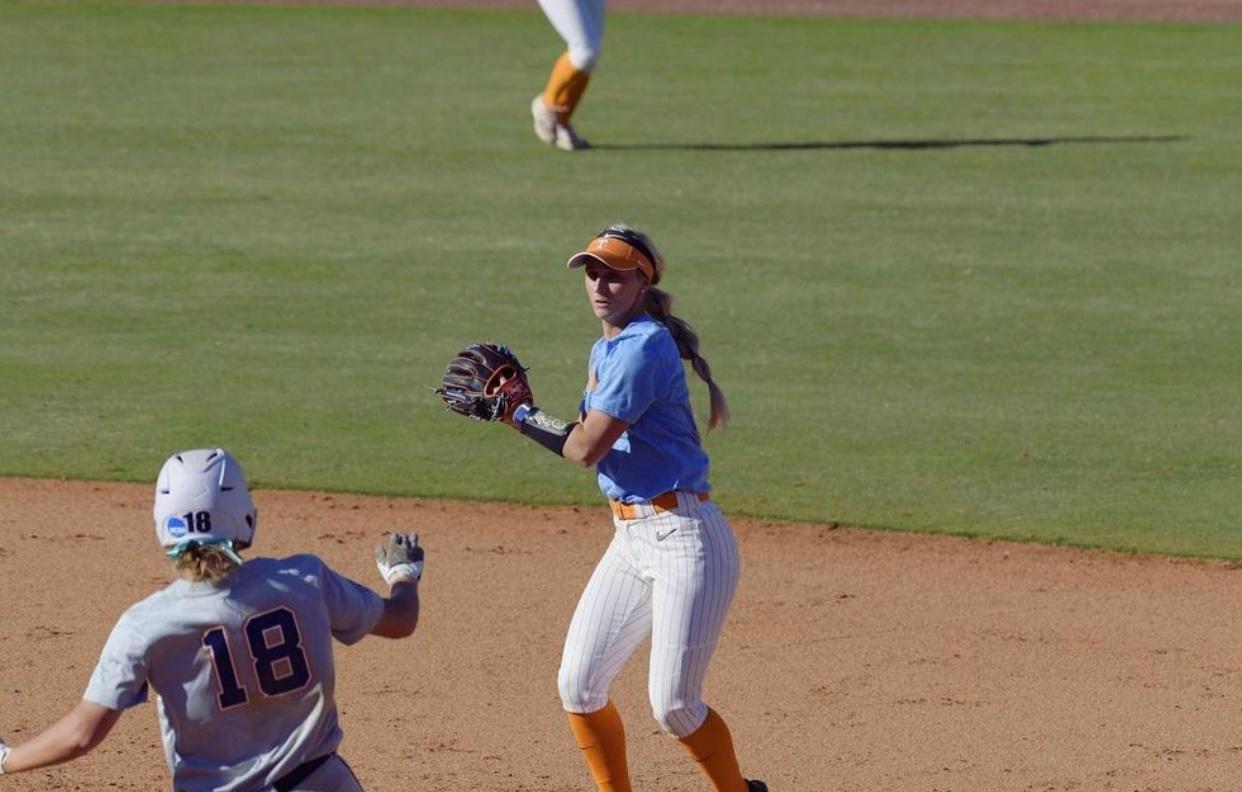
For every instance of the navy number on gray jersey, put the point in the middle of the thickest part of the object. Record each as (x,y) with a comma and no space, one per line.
(231,694)
(275,648)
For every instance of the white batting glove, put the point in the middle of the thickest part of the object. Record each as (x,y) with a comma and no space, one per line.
(5,750)
(400,559)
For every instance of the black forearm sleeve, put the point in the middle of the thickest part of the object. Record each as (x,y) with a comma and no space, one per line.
(546,430)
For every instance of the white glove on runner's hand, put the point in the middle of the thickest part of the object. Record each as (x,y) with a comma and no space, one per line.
(400,559)
(4,754)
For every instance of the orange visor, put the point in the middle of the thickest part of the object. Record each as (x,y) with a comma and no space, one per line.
(616,254)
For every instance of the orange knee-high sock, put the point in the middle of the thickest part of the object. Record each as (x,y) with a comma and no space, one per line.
(565,87)
(601,736)
(711,745)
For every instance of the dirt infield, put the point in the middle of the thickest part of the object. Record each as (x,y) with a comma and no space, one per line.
(851,660)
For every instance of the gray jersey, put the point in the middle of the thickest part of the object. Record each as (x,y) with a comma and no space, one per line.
(243,669)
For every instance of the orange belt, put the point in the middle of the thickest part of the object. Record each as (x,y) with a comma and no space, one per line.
(661,503)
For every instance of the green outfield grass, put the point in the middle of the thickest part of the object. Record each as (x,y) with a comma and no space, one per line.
(270,228)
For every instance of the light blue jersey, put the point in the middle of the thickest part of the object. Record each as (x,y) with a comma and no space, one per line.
(641,380)
(242,669)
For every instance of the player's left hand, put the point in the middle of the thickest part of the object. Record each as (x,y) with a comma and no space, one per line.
(400,558)
(4,754)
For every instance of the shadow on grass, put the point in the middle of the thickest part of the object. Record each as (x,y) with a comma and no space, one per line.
(901,145)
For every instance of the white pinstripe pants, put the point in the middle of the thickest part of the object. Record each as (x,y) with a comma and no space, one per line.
(669,575)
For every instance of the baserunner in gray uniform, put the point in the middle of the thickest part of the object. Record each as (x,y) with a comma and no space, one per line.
(239,654)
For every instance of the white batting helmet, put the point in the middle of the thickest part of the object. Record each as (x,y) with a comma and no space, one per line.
(201,496)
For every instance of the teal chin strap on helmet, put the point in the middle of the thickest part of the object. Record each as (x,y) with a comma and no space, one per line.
(224,544)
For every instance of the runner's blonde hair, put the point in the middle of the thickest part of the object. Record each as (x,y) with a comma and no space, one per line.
(205,563)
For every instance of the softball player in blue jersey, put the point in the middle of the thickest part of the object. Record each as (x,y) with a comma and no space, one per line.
(238,653)
(672,567)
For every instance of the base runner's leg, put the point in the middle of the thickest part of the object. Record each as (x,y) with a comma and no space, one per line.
(612,618)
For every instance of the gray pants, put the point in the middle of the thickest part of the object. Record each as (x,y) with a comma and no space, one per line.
(332,776)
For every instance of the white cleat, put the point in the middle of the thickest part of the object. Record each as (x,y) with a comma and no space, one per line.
(551,131)
(545,120)
(567,139)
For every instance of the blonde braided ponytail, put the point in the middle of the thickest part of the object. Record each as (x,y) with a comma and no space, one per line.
(659,304)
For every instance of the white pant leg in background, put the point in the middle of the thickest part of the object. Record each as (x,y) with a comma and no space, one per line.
(581,24)
(612,618)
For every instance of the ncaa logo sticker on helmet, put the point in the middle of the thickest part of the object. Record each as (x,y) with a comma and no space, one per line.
(176,527)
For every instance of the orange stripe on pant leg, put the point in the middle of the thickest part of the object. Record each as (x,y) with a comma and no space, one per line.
(601,737)
(711,745)
(565,87)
